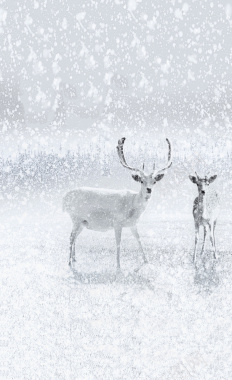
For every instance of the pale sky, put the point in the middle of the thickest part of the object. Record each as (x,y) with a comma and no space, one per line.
(122,64)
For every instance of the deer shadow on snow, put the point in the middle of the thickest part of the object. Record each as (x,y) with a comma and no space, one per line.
(206,277)
(108,274)
(107,277)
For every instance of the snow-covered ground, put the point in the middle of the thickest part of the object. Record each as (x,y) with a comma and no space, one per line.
(168,320)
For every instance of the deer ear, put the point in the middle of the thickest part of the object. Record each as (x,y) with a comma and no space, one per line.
(136,177)
(193,179)
(211,179)
(158,177)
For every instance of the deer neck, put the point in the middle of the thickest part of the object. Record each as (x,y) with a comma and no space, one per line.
(141,201)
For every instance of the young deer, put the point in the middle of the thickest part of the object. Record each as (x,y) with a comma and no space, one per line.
(104,209)
(205,211)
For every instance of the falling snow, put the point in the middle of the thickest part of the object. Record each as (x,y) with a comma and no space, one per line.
(75,77)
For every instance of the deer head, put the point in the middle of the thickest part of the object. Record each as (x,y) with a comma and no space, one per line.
(202,183)
(147,181)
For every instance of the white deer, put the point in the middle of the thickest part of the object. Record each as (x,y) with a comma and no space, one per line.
(103,209)
(206,208)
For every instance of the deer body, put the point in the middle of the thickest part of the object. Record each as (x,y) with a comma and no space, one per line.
(206,208)
(103,209)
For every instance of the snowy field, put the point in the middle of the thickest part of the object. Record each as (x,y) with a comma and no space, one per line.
(165,321)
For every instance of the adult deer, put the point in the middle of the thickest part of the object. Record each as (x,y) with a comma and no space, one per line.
(205,211)
(103,209)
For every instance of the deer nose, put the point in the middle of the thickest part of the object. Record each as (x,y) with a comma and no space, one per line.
(203,192)
(148,191)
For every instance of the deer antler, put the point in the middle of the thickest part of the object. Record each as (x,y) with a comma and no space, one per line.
(169,163)
(122,158)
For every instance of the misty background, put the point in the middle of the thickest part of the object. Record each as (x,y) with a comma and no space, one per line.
(76,76)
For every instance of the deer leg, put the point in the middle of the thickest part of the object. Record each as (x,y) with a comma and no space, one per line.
(203,246)
(214,225)
(118,234)
(77,228)
(212,239)
(196,241)
(137,237)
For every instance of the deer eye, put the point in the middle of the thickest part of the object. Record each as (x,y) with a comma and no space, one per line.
(141,181)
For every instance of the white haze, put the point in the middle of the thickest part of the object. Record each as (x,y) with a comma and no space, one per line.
(75,76)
